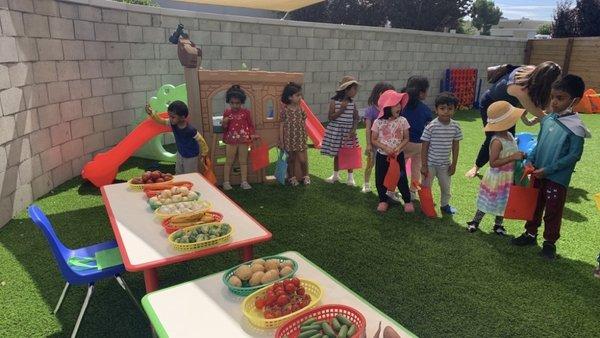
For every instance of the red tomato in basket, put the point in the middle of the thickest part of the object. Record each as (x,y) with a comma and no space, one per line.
(286,310)
(278,285)
(260,303)
(283,300)
(268,315)
(271,297)
(295,281)
(300,291)
(290,288)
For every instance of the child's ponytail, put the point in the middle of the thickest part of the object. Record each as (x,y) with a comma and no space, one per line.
(414,87)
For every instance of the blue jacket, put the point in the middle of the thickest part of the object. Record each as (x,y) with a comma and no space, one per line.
(559,147)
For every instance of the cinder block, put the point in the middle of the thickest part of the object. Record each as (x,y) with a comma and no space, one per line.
(331,43)
(112,103)
(101,87)
(72,149)
(269,29)
(134,100)
(157,67)
(73,50)
(4,77)
(8,49)
(26,122)
(122,118)
(62,173)
(84,30)
(122,84)
(258,40)
(117,50)
(112,68)
(3,159)
(322,54)
(70,110)
(26,170)
(41,185)
(93,143)
(18,150)
(289,31)
(114,16)
(60,133)
(139,19)
(21,5)
(142,51)
(46,7)
(90,13)
(36,26)
(95,50)
(106,32)
(114,136)
(102,122)
(61,28)
(166,51)
(79,163)
(175,67)
(82,127)
(231,53)
(67,70)
(80,89)
(12,100)
(68,11)
(49,115)
(12,23)
(297,42)
(7,125)
(9,180)
(22,199)
(269,54)
(307,32)
(212,52)
(50,49)
(238,39)
(40,140)
(134,67)
(154,35)
(143,82)
(26,49)
(130,33)
(58,92)
(92,106)
(90,69)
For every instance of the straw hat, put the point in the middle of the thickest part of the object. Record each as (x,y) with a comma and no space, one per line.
(502,116)
(346,82)
(390,98)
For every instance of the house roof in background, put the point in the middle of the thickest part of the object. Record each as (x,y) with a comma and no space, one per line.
(272,5)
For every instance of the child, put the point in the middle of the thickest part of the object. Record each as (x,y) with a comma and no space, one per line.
(341,129)
(238,132)
(597,270)
(495,186)
(390,136)
(418,116)
(292,133)
(188,140)
(559,148)
(440,139)
(371,114)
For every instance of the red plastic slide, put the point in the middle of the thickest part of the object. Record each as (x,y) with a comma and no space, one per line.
(314,128)
(103,168)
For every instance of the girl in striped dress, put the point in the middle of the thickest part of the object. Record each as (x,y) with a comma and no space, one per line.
(495,185)
(341,130)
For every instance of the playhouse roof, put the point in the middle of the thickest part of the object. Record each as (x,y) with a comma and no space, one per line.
(272,5)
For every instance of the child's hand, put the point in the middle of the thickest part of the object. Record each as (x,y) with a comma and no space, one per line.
(149,110)
(452,169)
(539,173)
(519,155)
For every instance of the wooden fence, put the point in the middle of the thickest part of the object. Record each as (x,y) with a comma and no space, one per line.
(580,56)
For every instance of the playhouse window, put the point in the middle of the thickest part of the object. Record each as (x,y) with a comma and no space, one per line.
(269,109)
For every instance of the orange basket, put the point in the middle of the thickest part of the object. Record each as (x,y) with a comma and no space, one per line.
(170,228)
(291,328)
(151,192)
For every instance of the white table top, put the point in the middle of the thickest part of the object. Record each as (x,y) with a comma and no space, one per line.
(206,307)
(143,241)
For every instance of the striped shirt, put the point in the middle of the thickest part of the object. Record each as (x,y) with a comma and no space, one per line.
(440,137)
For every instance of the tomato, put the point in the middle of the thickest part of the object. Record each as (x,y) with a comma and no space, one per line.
(286,311)
(268,315)
(296,281)
(277,313)
(295,307)
(290,287)
(301,291)
(281,293)
(271,297)
(260,303)
(278,285)
(283,300)
(279,288)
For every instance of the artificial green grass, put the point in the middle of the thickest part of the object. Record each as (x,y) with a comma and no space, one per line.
(430,275)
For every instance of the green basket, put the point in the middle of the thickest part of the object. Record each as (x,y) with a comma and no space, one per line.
(244,291)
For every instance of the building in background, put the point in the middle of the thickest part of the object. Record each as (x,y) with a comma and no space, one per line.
(522,28)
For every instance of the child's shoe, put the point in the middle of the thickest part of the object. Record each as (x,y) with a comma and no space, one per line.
(499,230)
(366,188)
(414,196)
(472,226)
(548,250)
(525,239)
(306,180)
(448,210)
(332,179)
(294,182)
(351,182)
(409,207)
(245,185)
(382,207)
(394,196)
(227,186)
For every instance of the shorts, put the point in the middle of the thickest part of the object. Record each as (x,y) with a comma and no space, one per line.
(186,165)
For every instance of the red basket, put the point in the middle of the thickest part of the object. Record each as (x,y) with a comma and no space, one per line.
(291,329)
(169,229)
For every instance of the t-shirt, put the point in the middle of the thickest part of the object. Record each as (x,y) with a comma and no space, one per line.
(390,132)
(440,137)
(371,113)
(187,146)
(498,92)
(418,117)
(239,128)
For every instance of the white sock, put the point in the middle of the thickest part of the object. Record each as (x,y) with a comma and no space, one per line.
(336,175)
(350,176)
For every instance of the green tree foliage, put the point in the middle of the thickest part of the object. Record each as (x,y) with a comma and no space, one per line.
(581,20)
(545,29)
(485,14)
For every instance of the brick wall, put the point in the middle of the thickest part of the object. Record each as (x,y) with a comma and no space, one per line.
(74,74)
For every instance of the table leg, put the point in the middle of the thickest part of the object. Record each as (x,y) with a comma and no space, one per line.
(247,254)
(151,280)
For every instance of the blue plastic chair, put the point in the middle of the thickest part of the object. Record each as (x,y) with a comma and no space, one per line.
(73,275)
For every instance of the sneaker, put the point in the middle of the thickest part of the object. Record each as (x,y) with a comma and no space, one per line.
(524,240)
(414,196)
(332,179)
(382,207)
(548,250)
(409,207)
(597,272)
(245,185)
(472,226)
(499,230)
(472,173)
(448,210)
(294,182)
(366,188)
(306,180)
(351,182)
(394,196)
(227,186)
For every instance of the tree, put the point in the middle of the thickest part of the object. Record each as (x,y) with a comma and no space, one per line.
(565,21)
(466,27)
(485,14)
(588,17)
(581,20)
(545,29)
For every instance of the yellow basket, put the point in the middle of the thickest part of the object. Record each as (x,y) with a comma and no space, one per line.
(204,207)
(140,187)
(256,318)
(199,245)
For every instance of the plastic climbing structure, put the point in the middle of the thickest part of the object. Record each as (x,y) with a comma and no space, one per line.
(463,84)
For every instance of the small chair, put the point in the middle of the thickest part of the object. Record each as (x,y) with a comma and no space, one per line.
(75,276)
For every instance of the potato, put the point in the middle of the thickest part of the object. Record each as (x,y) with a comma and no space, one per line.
(272,264)
(256,278)
(259,261)
(285,271)
(243,272)
(257,267)
(269,276)
(286,263)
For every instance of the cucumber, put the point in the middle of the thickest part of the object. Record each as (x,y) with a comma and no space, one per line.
(343,320)
(309,321)
(343,332)
(310,327)
(328,330)
(351,330)
(307,334)
(336,324)
(318,335)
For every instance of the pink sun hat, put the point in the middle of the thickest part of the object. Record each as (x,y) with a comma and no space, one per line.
(390,98)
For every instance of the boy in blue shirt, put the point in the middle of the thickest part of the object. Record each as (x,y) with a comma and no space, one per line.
(559,148)
(190,143)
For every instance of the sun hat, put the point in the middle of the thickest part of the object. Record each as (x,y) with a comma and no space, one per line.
(502,116)
(346,82)
(390,98)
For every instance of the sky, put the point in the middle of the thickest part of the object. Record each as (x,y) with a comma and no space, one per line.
(532,9)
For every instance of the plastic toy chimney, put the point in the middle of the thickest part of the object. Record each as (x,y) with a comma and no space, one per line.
(189,55)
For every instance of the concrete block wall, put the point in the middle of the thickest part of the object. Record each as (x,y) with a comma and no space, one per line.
(74,74)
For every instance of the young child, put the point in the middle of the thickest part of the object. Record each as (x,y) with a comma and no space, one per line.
(238,132)
(188,140)
(418,116)
(292,133)
(559,148)
(341,129)
(440,140)
(390,136)
(371,114)
(495,185)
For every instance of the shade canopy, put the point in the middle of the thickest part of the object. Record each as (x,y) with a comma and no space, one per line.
(271,5)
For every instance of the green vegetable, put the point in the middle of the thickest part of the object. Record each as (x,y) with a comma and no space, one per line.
(336,324)
(328,330)
(351,330)
(343,320)
(343,332)
(313,326)
(307,334)
(318,335)
(309,321)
